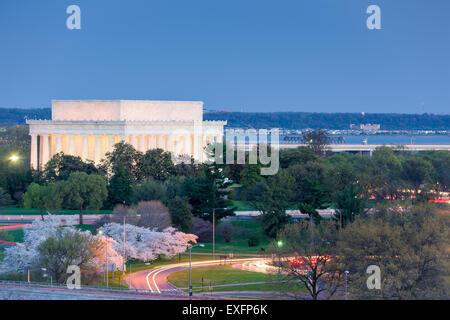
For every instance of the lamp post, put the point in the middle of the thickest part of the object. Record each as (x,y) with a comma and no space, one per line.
(28,272)
(214,234)
(14,158)
(124,253)
(346,285)
(190,282)
(101,232)
(279,245)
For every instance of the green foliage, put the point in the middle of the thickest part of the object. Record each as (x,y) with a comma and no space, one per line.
(349,203)
(313,245)
(317,141)
(385,172)
(58,252)
(250,174)
(123,157)
(416,172)
(312,192)
(60,166)
(119,187)
(300,155)
(253,241)
(273,198)
(82,191)
(295,120)
(149,189)
(441,165)
(411,250)
(41,197)
(288,120)
(180,211)
(156,164)
(5,198)
(15,176)
(209,193)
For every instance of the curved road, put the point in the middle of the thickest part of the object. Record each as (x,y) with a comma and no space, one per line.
(156,281)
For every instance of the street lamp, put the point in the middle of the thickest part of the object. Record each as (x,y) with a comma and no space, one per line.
(279,244)
(124,252)
(214,235)
(190,283)
(14,158)
(107,280)
(346,291)
(28,272)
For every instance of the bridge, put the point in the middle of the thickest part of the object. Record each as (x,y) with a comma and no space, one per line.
(360,148)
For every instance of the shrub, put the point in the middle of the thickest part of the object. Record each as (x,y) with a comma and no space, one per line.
(148,190)
(153,215)
(226,230)
(202,229)
(253,241)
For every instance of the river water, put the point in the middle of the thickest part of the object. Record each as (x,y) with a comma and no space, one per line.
(397,139)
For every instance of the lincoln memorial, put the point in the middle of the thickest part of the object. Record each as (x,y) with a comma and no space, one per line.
(89,129)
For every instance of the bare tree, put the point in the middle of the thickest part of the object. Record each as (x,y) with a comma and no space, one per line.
(311,266)
(227,231)
(153,214)
(317,140)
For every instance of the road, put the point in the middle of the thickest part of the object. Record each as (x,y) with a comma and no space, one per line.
(156,281)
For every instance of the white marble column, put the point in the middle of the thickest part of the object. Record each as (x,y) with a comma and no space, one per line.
(98,148)
(85,147)
(142,144)
(45,149)
(208,140)
(110,143)
(151,142)
(195,152)
(170,143)
(134,141)
(188,145)
(72,145)
(58,147)
(160,142)
(34,150)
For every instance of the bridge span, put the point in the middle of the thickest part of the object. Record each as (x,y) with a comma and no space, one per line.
(361,148)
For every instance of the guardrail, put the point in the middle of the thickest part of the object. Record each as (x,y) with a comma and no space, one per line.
(85,288)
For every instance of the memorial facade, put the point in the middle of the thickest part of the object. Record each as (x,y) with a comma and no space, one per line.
(89,129)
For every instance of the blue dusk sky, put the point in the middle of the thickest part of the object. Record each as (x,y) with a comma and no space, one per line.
(235,55)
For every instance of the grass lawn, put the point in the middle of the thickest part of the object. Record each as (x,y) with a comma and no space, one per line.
(21,211)
(242,206)
(85,227)
(239,242)
(12,235)
(117,281)
(220,275)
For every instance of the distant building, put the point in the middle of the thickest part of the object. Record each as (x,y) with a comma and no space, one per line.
(370,127)
(365,127)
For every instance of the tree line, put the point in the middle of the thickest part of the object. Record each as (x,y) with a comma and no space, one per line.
(287,120)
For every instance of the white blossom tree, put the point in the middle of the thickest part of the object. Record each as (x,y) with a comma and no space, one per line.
(146,244)
(20,257)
